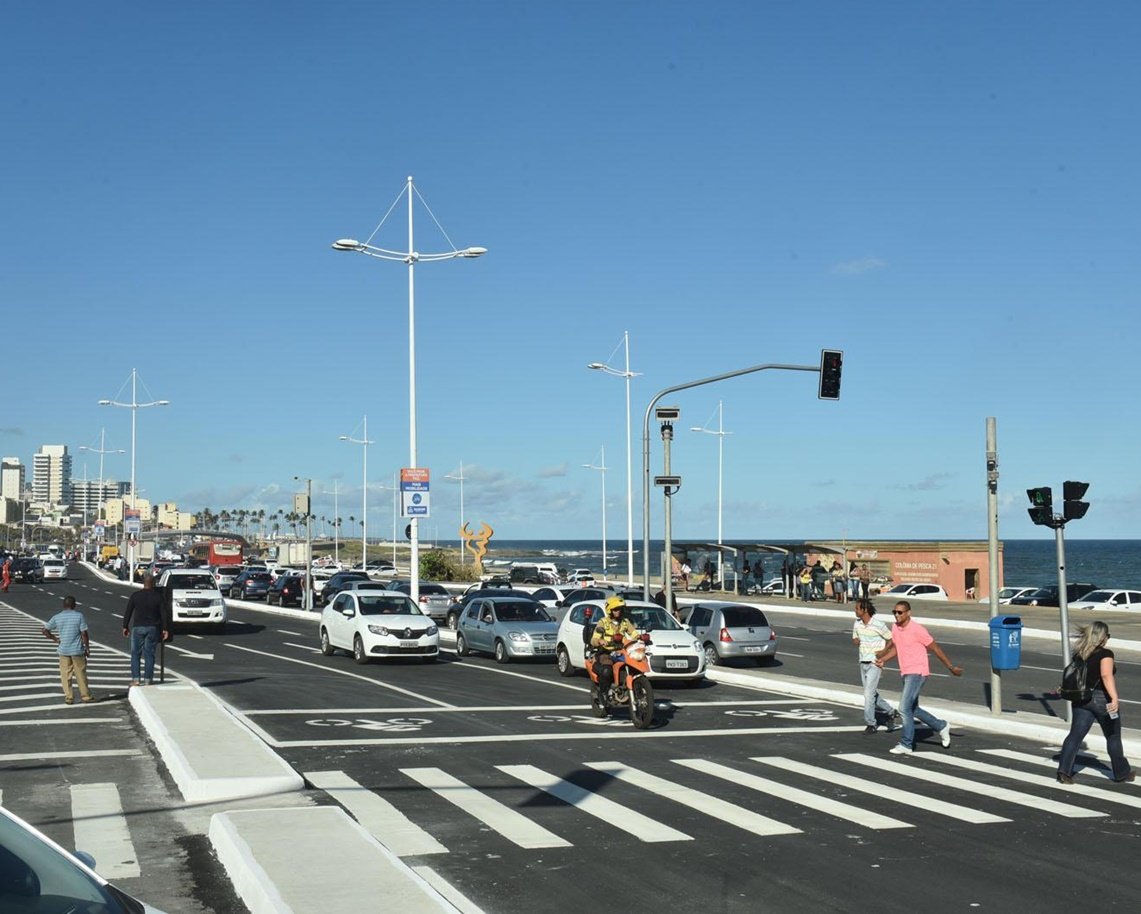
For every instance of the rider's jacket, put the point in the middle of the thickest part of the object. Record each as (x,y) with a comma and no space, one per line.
(611,635)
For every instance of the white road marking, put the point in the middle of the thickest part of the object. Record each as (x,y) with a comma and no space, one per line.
(703,802)
(614,814)
(916,800)
(332,669)
(101,830)
(451,894)
(793,638)
(986,790)
(1104,768)
(304,647)
(57,695)
(492,669)
(380,818)
(630,733)
(59,720)
(512,825)
(78,753)
(487,708)
(282,631)
(790,654)
(847,811)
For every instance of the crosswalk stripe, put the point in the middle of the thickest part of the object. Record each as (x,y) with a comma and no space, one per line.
(1026,777)
(101,830)
(54,694)
(78,753)
(1099,768)
(376,815)
(513,826)
(720,809)
(917,800)
(846,811)
(621,817)
(987,790)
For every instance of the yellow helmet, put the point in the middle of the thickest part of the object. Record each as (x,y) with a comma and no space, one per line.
(615,603)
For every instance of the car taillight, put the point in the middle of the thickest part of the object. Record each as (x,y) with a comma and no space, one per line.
(772,634)
(725,636)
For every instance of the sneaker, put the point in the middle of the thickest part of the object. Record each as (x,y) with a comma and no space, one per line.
(67,701)
(896,719)
(1132,776)
(88,699)
(900,749)
(945,736)
(870,728)
(1065,778)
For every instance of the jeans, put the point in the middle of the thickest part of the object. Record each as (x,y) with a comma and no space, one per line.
(144,639)
(910,710)
(853,589)
(870,676)
(805,592)
(1081,721)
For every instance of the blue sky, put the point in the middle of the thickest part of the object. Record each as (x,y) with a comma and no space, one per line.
(947,192)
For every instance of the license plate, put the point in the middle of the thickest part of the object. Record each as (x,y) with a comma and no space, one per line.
(677,664)
(753,650)
(407,644)
(193,612)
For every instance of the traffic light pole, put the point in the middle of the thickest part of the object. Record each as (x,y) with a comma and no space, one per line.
(992,549)
(1063,601)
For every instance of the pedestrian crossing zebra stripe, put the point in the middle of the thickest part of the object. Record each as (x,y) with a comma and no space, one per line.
(512,825)
(628,820)
(100,829)
(376,815)
(721,809)
(917,800)
(988,790)
(1098,765)
(847,811)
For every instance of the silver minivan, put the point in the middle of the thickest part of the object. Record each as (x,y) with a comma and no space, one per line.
(732,631)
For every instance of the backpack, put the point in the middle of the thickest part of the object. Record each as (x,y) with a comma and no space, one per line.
(1074,687)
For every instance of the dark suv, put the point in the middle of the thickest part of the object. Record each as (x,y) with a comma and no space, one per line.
(1048,595)
(337,583)
(252,584)
(28,570)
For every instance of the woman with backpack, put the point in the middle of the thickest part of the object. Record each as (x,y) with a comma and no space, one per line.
(1102,705)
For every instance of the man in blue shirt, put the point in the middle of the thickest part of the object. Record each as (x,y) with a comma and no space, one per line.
(68,629)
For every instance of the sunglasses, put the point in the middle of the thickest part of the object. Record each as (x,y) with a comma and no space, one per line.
(900,612)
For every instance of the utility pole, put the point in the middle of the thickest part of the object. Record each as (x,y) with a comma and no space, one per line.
(992,548)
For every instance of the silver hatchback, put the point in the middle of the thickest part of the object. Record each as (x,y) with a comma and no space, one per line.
(732,631)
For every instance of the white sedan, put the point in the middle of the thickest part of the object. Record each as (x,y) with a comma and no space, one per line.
(915,592)
(1009,593)
(1125,600)
(55,569)
(378,624)
(672,651)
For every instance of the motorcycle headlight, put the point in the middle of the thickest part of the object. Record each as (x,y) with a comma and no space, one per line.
(378,629)
(518,636)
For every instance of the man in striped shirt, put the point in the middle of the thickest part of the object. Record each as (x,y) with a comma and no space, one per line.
(68,629)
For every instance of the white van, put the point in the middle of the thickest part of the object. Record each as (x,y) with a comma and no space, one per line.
(534,573)
(192,595)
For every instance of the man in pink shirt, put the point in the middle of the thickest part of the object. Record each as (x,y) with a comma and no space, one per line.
(910,641)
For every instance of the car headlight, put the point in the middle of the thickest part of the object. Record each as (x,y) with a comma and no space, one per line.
(378,629)
(217,602)
(432,630)
(697,645)
(518,636)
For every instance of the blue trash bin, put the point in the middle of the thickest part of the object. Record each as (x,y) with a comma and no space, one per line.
(1005,642)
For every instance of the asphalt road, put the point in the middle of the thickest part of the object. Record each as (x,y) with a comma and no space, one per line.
(738,800)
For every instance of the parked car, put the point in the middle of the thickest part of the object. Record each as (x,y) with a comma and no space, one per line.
(251,584)
(434,598)
(377,624)
(457,608)
(1009,593)
(550,597)
(224,575)
(39,875)
(380,568)
(775,587)
(534,574)
(597,592)
(320,577)
(914,592)
(1127,600)
(28,570)
(732,631)
(286,590)
(192,595)
(336,583)
(672,651)
(1048,595)
(582,577)
(54,570)
(507,627)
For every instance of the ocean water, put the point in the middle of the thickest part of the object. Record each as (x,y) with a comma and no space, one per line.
(1106,563)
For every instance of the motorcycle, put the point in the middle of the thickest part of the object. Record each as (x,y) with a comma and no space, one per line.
(631,686)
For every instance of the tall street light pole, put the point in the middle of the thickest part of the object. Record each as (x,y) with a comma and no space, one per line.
(134,406)
(720,433)
(409,257)
(393,489)
(364,443)
(101,451)
(460,477)
(601,467)
(627,374)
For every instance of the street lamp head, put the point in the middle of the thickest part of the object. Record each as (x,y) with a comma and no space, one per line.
(162,403)
(695,428)
(104,402)
(597,366)
(342,437)
(473,252)
(346,244)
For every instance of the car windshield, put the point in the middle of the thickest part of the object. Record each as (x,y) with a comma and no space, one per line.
(899,588)
(743,616)
(1098,596)
(260,576)
(521,612)
(1007,592)
(387,605)
(191,582)
(433,590)
(653,619)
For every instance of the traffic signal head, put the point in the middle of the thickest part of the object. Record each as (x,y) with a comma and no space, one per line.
(1042,500)
(1074,508)
(831,364)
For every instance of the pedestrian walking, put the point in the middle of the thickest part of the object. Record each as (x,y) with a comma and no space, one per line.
(839,586)
(686,571)
(910,642)
(1102,707)
(68,629)
(145,623)
(865,576)
(853,582)
(6,574)
(871,636)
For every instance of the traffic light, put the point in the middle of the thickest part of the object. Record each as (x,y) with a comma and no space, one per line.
(1073,507)
(1042,500)
(831,363)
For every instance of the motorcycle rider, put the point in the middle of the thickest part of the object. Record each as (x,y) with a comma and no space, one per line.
(611,634)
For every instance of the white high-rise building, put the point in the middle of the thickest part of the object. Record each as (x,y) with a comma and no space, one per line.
(86,498)
(11,478)
(51,475)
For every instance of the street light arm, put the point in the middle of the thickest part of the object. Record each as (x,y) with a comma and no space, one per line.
(614,372)
(349,244)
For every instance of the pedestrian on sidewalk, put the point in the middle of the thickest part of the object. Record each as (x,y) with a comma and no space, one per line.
(145,622)
(871,636)
(1102,707)
(910,642)
(805,584)
(865,577)
(6,574)
(68,629)
(839,585)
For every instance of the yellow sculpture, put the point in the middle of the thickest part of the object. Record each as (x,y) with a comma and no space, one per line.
(476,543)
